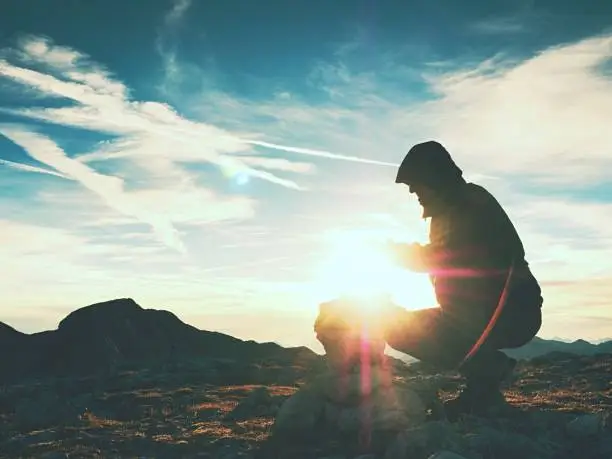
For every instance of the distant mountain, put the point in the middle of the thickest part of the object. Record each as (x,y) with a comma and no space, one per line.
(104,335)
(539,346)
(559,338)
(599,341)
(119,332)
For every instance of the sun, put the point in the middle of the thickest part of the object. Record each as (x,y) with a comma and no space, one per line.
(358,266)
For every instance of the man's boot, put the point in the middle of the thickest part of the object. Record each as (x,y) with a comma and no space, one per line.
(482,394)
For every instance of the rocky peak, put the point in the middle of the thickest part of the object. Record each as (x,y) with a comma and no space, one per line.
(101,312)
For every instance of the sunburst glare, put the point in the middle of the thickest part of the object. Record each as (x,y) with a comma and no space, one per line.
(360,266)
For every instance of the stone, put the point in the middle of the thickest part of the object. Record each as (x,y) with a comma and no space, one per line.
(54,455)
(43,436)
(446,455)
(498,442)
(349,337)
(258,403)
(422,439)
(351,419)
(44,411)
(353,386)
(357,402)
(399,405)
(331,413)
(299,414)
(342,403)
(233,452)
(586,425)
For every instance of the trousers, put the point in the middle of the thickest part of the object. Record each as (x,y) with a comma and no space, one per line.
(443,339)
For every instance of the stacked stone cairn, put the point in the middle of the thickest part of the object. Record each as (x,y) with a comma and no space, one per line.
(358,404)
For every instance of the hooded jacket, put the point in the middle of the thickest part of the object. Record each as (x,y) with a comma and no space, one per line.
(472,242)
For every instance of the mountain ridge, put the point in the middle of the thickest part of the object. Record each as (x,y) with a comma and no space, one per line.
(540,346)
(117,332)
(120,331)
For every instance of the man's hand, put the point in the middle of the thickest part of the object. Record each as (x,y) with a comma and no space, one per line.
(409,256)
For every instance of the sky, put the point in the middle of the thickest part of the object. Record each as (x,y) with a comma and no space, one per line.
(234,161)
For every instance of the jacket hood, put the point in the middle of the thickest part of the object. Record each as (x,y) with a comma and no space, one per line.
(429,163)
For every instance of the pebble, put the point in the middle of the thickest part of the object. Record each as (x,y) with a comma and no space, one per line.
(586,425)
(446,455)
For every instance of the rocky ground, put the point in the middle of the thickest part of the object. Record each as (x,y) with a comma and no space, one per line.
(219,409)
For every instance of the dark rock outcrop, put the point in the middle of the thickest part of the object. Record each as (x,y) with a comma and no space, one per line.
(106,335)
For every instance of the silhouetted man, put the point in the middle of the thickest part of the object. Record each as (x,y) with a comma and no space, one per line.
(477,265)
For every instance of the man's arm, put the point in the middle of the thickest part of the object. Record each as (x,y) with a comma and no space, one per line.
(415,257)
(481,237)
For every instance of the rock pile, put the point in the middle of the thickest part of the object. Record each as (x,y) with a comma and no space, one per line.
(358,404)
(359,409)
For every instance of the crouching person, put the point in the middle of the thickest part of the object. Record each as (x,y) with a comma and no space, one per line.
(487,295)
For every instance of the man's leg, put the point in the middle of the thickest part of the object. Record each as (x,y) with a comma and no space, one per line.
(425,335)
(517,325)
(430,336)
(490,367)
(484,373)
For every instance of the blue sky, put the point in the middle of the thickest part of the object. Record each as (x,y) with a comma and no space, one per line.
(234,161)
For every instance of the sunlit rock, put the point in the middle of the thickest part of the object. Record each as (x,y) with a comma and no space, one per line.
(357,400)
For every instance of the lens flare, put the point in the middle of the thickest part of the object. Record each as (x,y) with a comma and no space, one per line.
(359,267)
(242,178)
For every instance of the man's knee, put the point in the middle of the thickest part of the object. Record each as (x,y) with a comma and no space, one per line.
(517,328)
(400,340)
(413,332)
(526,330)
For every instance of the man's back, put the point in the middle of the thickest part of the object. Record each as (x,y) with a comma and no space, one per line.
(477,244)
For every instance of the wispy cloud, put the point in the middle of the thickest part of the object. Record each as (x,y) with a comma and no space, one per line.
(537,120)
(72,64)
(546,117)
(51,257)
(62,270)
(165,43)
(543,117)
(320,153)
(109,188)
(278,164)
(504,25)
(140,122)
(103,107)
(150,134)
(28,168)
(178,10)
